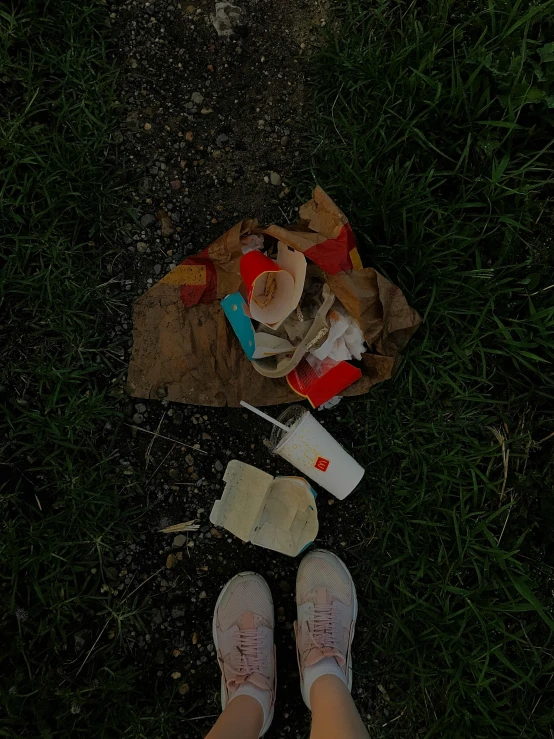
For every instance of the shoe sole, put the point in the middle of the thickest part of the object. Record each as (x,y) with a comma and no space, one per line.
(226,587)
(354,617)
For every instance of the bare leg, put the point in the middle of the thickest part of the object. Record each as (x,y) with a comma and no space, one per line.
(334,715)
(242,718)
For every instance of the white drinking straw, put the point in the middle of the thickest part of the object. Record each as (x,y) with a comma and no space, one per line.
(274,421)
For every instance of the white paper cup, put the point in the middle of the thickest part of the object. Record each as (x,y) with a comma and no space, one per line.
(313,451)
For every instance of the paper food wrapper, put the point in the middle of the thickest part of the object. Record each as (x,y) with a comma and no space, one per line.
(277,513)
(288,273)
(185,350)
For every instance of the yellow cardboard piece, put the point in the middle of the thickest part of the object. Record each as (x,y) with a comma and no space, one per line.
(185,274)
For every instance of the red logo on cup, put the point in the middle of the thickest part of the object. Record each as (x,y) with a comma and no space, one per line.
(321,464)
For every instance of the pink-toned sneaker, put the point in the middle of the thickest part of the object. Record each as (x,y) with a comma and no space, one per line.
(327,608)
(243,627)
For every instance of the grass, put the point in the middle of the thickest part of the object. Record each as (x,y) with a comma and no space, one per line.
(435,135)
(59,505)
(434,131)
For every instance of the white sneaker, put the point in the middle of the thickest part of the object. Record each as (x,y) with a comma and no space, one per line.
(243,627)
(327,608)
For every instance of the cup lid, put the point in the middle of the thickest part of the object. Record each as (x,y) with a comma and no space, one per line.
(291,417)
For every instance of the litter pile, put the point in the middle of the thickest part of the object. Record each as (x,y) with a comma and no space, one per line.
(270,314)
(267,315)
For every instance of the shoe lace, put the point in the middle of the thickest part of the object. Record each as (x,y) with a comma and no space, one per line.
(324,631)
(251,660)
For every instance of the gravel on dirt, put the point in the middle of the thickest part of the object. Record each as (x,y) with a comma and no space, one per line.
(210,134)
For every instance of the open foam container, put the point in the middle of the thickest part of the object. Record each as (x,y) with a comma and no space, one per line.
(277,513)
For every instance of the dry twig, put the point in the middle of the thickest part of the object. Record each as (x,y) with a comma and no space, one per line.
(179,527)
(167,438)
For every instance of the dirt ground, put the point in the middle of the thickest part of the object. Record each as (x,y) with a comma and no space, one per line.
(209,133)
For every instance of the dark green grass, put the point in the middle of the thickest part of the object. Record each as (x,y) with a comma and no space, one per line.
(435,134)
(59,504)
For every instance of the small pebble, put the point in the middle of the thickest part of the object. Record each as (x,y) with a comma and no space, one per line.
(274,178)
(218,465)
(197,98)
(145,185)
(142,246)
(147,126)
(175,184)
(157,269)
(147,220)
(138,418)
(179,540)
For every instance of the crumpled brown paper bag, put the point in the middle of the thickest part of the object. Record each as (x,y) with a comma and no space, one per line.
(185,350)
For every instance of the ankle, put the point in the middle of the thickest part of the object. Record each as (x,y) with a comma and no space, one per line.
(326,684)
(251,699)
(248,707)
(325,668)
(243,716)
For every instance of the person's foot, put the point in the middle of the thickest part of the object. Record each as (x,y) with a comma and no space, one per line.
(243,636)
(327,608)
